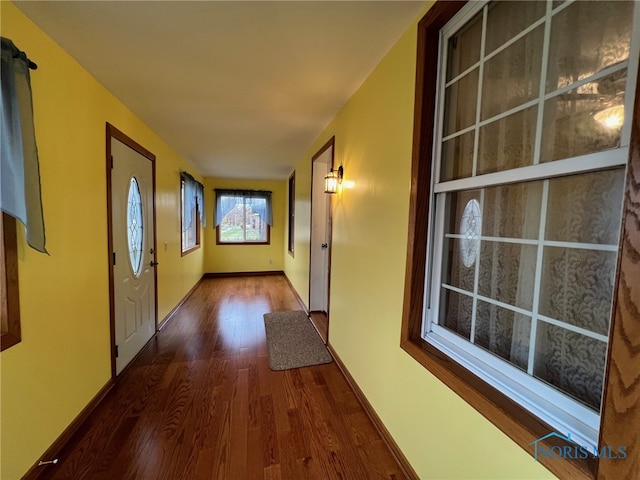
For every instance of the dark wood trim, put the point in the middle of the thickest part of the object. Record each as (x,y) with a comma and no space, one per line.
(38,471)
(419,203)
(620,417)
(11,330)
(621,406)
(331,143)
(113,132)
(291,214)
(169,315)
(242,274)
(295,292)
(328,144)
(184,253)
(402,461)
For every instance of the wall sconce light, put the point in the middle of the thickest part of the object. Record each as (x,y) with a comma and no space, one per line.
(333,179)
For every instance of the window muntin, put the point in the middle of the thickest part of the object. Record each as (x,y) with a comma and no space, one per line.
(538,226)
(244,221)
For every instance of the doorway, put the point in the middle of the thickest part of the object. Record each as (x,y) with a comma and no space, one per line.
(320,255)
(132,247)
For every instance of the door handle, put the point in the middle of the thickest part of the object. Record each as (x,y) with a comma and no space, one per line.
(152,263)
(324,245)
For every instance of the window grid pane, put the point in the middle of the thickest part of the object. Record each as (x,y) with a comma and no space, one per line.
(517,280)
(519,74)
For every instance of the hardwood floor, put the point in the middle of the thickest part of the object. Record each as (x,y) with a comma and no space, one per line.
(321,323)
(200,402)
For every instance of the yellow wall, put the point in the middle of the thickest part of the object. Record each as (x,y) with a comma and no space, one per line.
(440,434)
(64,357)
(246,258)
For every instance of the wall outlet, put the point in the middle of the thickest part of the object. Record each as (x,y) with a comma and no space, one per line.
(271,261)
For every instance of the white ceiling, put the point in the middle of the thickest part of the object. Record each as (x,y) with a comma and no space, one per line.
(240,88)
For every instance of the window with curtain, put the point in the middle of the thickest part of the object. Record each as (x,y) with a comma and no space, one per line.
(20,170)
(532,141)
(243,217)
(191,211)
(19,182)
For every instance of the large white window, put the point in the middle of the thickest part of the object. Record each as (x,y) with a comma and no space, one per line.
(532,140)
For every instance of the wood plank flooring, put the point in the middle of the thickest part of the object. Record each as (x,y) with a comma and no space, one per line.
(200,402)
(321,322)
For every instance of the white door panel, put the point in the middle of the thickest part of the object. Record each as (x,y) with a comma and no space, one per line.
(133,230)
(320,235)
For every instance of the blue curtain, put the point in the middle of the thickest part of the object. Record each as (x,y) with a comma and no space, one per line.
(259,200)
(193,191)
(20,190)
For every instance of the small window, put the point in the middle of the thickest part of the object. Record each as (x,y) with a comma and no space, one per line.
(9,299)
(243,217)
(190,210)
(292,210)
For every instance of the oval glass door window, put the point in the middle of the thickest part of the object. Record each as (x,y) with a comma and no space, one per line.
(135,226)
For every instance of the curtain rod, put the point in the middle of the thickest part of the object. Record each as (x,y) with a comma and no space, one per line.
(32,65)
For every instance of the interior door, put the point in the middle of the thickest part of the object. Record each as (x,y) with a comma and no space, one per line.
(319,241)
(320,257)
(133,256)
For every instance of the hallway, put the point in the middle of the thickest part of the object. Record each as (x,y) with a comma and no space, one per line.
(200,402)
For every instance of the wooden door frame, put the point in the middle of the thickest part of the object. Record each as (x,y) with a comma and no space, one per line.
(330,144)
(114,133)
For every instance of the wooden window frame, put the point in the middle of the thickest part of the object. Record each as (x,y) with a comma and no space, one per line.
(185,250)
(291,214)
(620,414)
(266,242)
(10,307)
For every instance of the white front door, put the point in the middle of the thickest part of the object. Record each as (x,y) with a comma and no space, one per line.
(133,251)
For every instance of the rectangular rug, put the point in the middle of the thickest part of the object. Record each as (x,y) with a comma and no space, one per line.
(293,342)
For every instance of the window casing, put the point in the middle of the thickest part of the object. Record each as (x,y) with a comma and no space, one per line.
(9,297)
(292,214)
(452,212)
(244,217)
(190,239)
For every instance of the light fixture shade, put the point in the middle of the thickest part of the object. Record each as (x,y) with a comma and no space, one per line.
(612,117)
(331,182)
(333,179)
